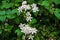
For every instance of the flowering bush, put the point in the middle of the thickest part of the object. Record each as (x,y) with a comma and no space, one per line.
(29,20)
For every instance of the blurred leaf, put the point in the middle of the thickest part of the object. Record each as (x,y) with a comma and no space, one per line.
(56,1)
(10,16)
(5,4)
(17,20)
(18,31)
(57,13)
(8,11)
(2,12)
(14,11)
(37,38)
(30,1)
(45,3)
(0,31)
(2,18)
(8,28)
(18,0)
(33,21)
(53,34)
(35,13)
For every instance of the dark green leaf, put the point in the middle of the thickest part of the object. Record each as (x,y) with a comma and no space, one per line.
(2,18)
(2,12)
(35,13)
(30,1)
(18,31)
(8,28)
(56,1)
(0,31)
(10,16)
(57,13)
(33,21)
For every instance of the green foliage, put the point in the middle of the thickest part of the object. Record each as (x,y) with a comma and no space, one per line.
(33,21)
(30,1)
(56,1)
(45,3)
(57,13)
(0,30)
(8,28)
(35,13)
(46,20)
(18,31)
(2,18)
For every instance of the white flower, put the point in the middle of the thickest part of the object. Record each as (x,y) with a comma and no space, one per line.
(33,30)
(20,9)
(34,7)
(27,7)
(21,25)
(29,18)
(27,29)
(31,37)
(24,7)
(24,2)
(28,14)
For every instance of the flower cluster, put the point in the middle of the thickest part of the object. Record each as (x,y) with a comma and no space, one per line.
(27,10)
(27,29)
(34,7)
(26,7)
(29,18)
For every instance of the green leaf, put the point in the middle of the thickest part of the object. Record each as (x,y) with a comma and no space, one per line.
(18,31)
(56,1)
(35,13)
(30,1)
(5,4)
(36,38)
(53,34)
(2,12)
(11,16)
(45,3)
(15,11)
(8,11)
(2,18)
(57,13)
(0,31)
(17,20)
(33,21)
(8,28)
(18,0)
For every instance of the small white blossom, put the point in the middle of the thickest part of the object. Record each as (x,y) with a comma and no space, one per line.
(21,25)
(27,29)
(31,37)
(29,18)
(28,7)
(24,2)
(33,30)
(24,7)
(20,9)
(34,7)
(28,14)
